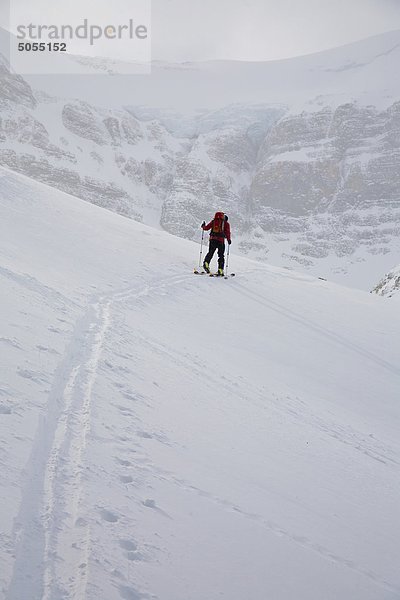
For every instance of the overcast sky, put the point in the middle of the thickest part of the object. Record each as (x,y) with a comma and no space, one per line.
(264,29)
(185,30)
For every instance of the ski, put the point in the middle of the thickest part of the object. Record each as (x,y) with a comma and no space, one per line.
(197,272)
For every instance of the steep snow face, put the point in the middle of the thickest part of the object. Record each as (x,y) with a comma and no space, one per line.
(390,285)
(173,436)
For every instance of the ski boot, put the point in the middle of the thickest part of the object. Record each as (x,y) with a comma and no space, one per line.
(206,267)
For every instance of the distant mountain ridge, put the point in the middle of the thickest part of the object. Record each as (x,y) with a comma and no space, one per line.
(363,71)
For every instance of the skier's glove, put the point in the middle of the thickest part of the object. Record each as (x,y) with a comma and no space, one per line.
(229,242)
(203,224)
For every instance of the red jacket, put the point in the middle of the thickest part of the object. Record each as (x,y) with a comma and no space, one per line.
(226,233)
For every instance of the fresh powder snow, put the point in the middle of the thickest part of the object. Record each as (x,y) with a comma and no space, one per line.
(174,437)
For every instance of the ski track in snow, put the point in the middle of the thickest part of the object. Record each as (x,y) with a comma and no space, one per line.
(52,536)
(292,407)
(271,305)
(33,285)
(348,437)
(280,531)
(75,422)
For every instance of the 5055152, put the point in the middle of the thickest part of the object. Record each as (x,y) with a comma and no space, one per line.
(42,47)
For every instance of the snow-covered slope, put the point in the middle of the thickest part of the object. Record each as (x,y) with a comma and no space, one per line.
(178,437)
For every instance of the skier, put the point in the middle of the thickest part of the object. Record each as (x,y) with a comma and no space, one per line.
(220,229)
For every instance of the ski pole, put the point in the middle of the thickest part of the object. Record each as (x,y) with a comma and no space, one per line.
(227,262)
(201,247)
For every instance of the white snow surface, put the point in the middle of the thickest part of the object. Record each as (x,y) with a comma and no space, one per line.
(176,437)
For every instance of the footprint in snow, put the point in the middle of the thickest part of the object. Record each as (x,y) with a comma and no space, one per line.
(144,434)
(122,462)
(128,545)
(132,552)
(46,349)
(130,396)
(119,385)
(129,593)
(32,375)
(116,368)
(153,436)
(118,574)
(109,516)
(54,329)
(135,556)
(124,356)
(10,342)
(150,503)
(126,478)
(125,411)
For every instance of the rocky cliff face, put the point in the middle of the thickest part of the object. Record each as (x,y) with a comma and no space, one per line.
(106,157)
(330,160)
(215,174)
(320,191)
(389,286)
(333,178)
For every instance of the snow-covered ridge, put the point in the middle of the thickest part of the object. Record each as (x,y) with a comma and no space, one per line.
(390,284)
(167,436)
(360,71)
